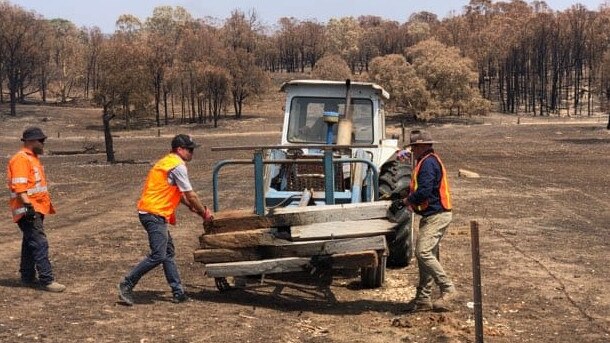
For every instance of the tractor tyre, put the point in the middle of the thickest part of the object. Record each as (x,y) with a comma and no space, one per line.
(394,179)
(373,277)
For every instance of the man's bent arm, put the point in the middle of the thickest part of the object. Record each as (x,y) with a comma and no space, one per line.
(191,199)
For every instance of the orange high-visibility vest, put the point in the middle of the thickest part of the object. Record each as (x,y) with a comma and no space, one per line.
(26,174)
(159,196)
(445,197)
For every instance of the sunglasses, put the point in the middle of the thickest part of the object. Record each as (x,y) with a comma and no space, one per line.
(42,140)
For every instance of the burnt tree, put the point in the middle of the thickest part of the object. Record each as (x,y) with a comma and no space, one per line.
(107,116)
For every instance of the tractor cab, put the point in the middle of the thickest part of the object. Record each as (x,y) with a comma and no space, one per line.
(309,103)
(313,113)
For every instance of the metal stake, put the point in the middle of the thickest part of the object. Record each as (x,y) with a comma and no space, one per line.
(476,281)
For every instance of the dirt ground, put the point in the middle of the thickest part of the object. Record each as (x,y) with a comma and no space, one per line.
(542,202)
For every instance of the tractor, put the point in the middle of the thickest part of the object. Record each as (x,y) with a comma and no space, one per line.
(317,193)
(316,115)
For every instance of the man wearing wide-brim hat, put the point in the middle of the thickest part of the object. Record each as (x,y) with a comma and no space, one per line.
(30,202)
(429,196)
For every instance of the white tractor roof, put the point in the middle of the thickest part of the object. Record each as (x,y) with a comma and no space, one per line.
(377,89)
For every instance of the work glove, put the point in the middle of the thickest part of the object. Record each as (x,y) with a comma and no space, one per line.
(30,213)
(396,206)
(207,214)
(397,212)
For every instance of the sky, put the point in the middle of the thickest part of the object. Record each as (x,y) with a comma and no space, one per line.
(105,13)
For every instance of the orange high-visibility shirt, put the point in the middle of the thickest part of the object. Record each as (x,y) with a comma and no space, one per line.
(159,196)
(26,174)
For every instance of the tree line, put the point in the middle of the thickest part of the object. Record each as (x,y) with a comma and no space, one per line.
(514,56)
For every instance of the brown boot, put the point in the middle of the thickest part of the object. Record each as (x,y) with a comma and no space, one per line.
(54,287)
(445,302)
(419,305)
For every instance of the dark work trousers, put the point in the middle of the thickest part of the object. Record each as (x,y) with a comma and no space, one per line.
(161,253)
(34,251)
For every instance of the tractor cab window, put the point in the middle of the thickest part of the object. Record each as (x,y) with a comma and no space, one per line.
(307,125)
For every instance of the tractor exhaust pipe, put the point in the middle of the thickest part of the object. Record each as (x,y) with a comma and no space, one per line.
(344,131)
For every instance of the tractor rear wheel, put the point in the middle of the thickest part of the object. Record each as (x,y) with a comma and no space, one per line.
(394,178)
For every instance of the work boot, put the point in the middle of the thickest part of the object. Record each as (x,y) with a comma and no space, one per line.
(444,303)
(125,293)
(180,298)
(54,287)
(419,305)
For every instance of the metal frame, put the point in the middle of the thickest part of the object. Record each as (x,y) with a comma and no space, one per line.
(258,161)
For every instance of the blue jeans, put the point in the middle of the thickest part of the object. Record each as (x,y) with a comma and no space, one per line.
(34,251)
(161,252)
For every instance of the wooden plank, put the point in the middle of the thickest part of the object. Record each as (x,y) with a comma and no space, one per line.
(226,255)
(292,249)
(348,260)
(335,230)
(236,220)
(278,265)
(292,264)
(241,239)
(240,220)
(326,247)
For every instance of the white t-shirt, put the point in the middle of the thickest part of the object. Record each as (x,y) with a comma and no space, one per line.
(179,177)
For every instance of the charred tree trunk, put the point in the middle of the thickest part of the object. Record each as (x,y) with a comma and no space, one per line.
(172,106)
(106,118)
(43,85)
(165,114)
(182,102)
(158,78)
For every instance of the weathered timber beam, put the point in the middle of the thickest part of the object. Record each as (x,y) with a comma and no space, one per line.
(279,265)
(292,264)
(348,260)
(240,220)
(237,220)
(241,239)
(226,255)
(294,249)
(326,247)
(336,230)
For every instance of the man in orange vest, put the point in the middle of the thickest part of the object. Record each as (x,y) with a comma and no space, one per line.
(30,202)
(166,186)
(429,196)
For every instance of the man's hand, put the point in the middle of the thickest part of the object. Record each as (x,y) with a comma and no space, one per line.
(404,155)
(30,213)
(207,214)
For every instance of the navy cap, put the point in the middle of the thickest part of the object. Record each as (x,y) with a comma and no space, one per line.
(183,141)
(33,134)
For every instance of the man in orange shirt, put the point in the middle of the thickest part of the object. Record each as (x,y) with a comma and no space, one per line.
(30,202)
(166,186)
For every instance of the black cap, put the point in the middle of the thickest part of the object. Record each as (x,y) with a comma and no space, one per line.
(183,141)
(33,134)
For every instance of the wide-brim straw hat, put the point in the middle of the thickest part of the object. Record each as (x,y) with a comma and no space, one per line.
(420,137)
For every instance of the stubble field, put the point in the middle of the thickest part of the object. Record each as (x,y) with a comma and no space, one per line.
(542,202)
